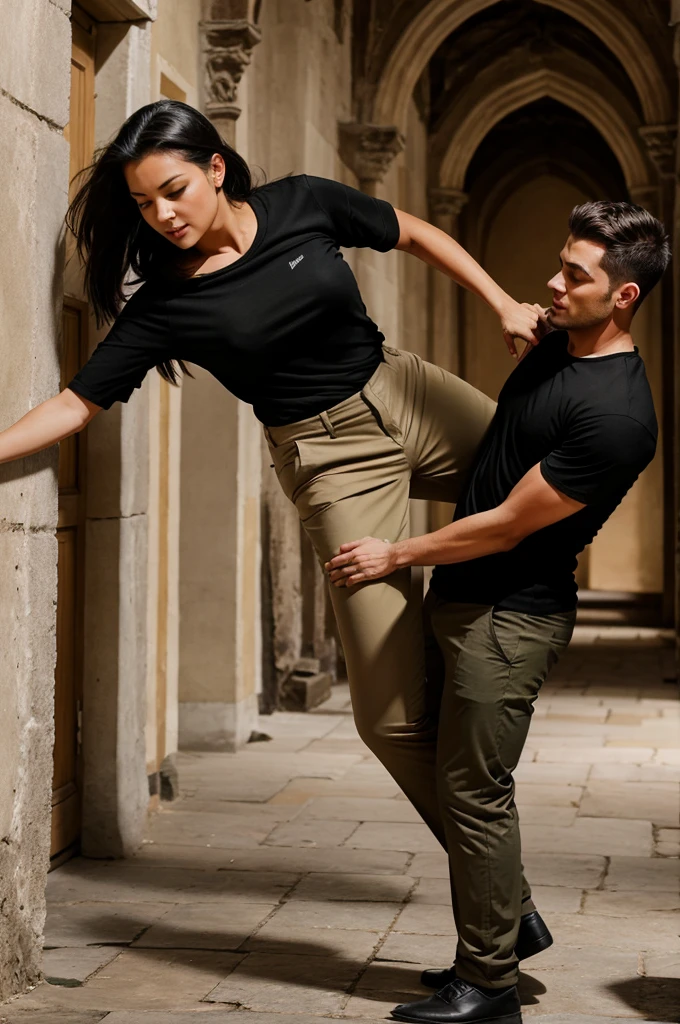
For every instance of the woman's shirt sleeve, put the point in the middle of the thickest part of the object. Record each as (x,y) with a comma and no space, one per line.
(138,340)
(357,220)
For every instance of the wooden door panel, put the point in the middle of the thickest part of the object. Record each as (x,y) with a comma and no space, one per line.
(70,532)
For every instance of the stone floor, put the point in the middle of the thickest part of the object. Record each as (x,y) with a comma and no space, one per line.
(293,879)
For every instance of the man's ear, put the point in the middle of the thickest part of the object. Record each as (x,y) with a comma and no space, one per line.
(629,293)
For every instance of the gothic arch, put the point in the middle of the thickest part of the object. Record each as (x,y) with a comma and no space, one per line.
(439,18)
(544,82)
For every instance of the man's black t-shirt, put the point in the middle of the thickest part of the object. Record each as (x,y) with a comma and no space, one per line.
(283,328)
(591,425)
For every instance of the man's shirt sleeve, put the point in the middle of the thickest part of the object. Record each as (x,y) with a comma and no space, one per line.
(600,459)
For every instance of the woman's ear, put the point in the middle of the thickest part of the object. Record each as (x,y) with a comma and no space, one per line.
(217,170)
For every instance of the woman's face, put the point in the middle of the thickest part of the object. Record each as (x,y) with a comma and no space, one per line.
(175,197)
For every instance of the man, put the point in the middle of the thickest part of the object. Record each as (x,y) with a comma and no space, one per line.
(574,428)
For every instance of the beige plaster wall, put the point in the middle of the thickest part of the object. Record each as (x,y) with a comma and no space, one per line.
(522,251)
(34,78)
(294,93)
(174,58)
(175,46)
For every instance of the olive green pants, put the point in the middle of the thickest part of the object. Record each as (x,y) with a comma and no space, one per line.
(485,670)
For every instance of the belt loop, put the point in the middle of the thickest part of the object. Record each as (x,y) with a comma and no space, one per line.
(268,437)
(325,419)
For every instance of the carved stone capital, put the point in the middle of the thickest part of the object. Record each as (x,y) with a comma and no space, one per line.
(369,149)
(227,47)
(447,202)
(661,141)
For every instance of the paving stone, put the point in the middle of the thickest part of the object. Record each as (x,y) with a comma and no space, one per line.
(594,755)
(312,832)
(14,1015)
(224,1016)
(568,774)
(429,865)
(556,899)
(299,791)
(346,809)
(269,812)
(630,997)
(394,978)
(530,794)
(630,904)
(217,925)
(668,842)
(574,871)
(590,835)
(274,982)
(313,942)
(655,932)
(366,1005)
(656,802)
(570,1018)
(88,924)
(291,861)
(545,814)
(361,916)
(425,919)
(152,979)
(393,836)
(136,881)
(332,746)
(433,950)
(670,756)
(643,873)
(662,965)
(74,965)
(431,892)
(354,887)
(636,773)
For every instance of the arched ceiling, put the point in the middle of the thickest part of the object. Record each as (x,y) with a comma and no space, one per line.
(548,137)
(482,114)
(397,39)
(543,32)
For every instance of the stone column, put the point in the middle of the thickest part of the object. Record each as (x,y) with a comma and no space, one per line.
(445,205)
(661,141)
(368,150)
(226,48)
(220,639)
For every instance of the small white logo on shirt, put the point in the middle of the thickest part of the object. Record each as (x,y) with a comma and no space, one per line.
(293,263)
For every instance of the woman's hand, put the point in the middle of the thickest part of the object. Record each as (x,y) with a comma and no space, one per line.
(362,561)
(519,320)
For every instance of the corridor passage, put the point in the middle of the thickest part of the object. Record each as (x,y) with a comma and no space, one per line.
(293,882)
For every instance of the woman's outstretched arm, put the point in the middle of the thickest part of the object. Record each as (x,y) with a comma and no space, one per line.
(48,423)
(435,247)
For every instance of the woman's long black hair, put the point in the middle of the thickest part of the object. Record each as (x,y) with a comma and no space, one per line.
(112,238)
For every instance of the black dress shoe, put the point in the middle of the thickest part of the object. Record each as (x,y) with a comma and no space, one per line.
(462,1003)
(533,938)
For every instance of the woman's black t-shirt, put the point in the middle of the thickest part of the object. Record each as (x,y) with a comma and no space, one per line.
(283,328)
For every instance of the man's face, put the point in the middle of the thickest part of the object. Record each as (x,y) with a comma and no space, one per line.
(582,291)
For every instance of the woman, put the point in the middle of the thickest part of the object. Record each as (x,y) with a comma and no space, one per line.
(250,284)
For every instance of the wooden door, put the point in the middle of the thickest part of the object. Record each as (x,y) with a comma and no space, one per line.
(70,532)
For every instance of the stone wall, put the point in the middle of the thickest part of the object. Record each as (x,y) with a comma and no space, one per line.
(34,78)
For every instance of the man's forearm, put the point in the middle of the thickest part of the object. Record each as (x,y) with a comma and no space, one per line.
(486,533)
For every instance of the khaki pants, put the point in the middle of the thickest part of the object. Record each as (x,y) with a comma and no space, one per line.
(413,431)
(485,670)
